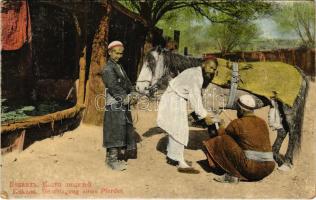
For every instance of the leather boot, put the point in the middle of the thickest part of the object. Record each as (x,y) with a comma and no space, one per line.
(112,160)
(131,154)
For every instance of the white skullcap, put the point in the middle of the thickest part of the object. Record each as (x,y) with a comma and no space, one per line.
(247,102)
(115,44)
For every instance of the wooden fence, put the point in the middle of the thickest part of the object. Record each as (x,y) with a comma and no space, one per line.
(303,58)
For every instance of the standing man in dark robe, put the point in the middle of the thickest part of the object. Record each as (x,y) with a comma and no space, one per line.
(118,130)
(243,149)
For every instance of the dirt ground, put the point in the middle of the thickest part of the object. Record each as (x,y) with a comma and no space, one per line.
(72,166)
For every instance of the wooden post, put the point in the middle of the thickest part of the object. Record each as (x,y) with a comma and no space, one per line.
(176,37)
(186,51)
(20,141)
(17,144)
(95,87)
(82,77)
(303,60)
(309,62)
(293,57)
(313,62)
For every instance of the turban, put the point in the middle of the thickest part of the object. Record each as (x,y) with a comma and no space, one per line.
(247,102)
(209,57)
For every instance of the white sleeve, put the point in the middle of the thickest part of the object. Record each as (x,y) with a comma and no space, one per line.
(195,97)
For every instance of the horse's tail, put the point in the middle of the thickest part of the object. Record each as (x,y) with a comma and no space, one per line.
(298,109)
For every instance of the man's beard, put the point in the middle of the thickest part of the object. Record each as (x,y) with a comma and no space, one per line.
(207,78)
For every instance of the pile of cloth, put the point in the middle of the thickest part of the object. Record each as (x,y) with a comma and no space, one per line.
(275,80)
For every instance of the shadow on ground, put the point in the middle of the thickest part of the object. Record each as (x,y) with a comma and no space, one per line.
(153,131)
(195,141)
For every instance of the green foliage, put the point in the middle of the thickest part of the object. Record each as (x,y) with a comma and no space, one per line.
(202,36)
(300,17)
(12,111)
(153,10)
(230,36)
(205,26)
(192,29)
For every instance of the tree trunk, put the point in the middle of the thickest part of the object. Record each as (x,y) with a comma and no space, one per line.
(82,76)
(95,88)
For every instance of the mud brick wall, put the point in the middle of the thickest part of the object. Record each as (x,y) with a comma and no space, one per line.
(16,73)
(55,51)
(132,33)
(52,56)
(48,67)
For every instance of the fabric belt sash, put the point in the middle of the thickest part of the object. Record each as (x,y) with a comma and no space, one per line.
(259,156)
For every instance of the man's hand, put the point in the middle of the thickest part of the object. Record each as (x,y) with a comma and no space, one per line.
(208,120)
(131,99)
(222,124)
(126,100)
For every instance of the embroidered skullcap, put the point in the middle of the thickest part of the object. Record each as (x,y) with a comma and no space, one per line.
(115,44)
(246,102)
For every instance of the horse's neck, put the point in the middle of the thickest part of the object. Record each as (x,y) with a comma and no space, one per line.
(176,63)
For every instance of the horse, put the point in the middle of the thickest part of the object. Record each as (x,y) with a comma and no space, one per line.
(161,64)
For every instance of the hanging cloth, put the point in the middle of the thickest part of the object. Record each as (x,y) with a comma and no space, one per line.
(16,24)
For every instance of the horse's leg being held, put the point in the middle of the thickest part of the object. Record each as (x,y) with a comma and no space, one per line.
(294,118)
(290,150)
(294,134)
(288,115)
(277,145)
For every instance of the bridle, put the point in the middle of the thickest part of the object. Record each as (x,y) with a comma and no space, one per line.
(152,88)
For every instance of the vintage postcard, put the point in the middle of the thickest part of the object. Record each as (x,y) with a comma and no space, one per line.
(158,99)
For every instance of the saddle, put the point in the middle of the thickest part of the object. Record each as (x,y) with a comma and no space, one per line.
(269,79)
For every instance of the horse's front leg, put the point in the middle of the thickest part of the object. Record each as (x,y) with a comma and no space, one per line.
(281,134)
(291,126)
(288,160)
(290,149)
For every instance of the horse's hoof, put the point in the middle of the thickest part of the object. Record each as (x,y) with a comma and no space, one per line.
(285,167)
(278,159)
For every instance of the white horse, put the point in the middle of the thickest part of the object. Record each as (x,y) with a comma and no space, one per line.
(161,65)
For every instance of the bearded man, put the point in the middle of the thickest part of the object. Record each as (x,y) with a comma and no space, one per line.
(172,111)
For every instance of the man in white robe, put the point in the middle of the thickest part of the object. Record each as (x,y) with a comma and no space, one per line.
(172,111)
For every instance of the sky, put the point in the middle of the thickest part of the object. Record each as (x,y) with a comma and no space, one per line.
(270,30)
(269,27)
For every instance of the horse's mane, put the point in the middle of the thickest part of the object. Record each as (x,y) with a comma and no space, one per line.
(174,63)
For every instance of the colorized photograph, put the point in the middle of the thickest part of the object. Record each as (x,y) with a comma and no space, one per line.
(158,99)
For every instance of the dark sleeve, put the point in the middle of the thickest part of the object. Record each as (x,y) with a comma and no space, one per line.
(221,131)
(130,86)
(111,84)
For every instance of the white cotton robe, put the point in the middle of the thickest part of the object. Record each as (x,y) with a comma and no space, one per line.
(172,109)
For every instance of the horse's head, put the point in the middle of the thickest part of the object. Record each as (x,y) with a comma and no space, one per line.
(160,65)
(152,71)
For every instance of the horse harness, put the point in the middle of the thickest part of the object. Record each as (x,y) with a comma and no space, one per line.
(233,86)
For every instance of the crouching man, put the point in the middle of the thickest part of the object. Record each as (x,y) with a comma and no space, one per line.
(243,149)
